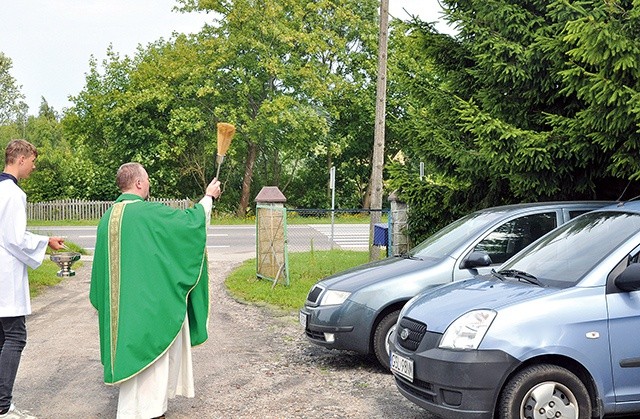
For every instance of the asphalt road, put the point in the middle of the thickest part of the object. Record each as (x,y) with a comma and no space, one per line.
(233,239)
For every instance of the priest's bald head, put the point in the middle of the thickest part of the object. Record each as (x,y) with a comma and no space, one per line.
(133,178)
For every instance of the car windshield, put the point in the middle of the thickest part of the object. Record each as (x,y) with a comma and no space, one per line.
(445,241)
(567,254)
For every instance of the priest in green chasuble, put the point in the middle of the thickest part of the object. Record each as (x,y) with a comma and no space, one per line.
(149,284)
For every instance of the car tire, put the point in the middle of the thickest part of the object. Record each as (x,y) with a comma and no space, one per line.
(381,338)
(543,390)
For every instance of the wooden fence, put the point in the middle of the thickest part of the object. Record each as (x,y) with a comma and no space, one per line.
(74,209)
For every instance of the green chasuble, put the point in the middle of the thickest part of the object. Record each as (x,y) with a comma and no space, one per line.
(149,272)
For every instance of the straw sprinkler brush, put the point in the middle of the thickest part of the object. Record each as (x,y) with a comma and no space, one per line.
(225,134)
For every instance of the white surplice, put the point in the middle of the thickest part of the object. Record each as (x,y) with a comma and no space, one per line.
(145,395)
(18,249)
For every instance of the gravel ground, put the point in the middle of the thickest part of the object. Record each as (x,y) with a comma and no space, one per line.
(256,363)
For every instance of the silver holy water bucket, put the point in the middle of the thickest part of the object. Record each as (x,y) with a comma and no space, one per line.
(64,260)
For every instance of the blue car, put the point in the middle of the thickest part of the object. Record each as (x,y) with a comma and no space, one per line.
(553,333)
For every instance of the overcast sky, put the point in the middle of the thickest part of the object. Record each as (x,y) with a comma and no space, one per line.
(50,42)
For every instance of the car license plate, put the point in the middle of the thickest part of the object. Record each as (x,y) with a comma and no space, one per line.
(402,366)
(303,319)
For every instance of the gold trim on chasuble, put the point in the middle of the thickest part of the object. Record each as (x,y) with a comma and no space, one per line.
(115,227)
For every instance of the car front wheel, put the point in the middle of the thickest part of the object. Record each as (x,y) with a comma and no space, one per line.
(544,391)
(381,338)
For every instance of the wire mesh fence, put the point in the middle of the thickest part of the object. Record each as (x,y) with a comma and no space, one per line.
(326,229)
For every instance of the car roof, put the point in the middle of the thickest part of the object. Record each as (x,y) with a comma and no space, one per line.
(627,206)
(549,205)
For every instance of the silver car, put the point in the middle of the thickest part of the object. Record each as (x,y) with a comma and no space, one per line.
(357,310)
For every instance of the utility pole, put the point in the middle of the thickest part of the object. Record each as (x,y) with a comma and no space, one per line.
(377,163)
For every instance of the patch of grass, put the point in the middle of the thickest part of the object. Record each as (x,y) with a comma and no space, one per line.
(43,223)
(72,247)
(45,276)
(305,269)
(222,218)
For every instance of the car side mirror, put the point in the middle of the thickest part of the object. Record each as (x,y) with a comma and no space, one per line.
(629,279)
(476,259)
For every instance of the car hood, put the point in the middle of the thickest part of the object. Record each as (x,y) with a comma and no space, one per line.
(439,307)
(374,272)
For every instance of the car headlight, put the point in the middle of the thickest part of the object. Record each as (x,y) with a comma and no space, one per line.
(467,331)
(333,297)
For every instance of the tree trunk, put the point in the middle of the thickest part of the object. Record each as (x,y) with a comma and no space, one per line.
(366,199)
(248,178)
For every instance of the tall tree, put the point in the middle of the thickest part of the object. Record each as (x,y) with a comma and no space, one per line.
(12,105)
(44,130)
(102,135)
(284,73)
(277,61)
(529,101)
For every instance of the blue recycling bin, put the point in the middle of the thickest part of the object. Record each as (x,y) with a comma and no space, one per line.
(380,234)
